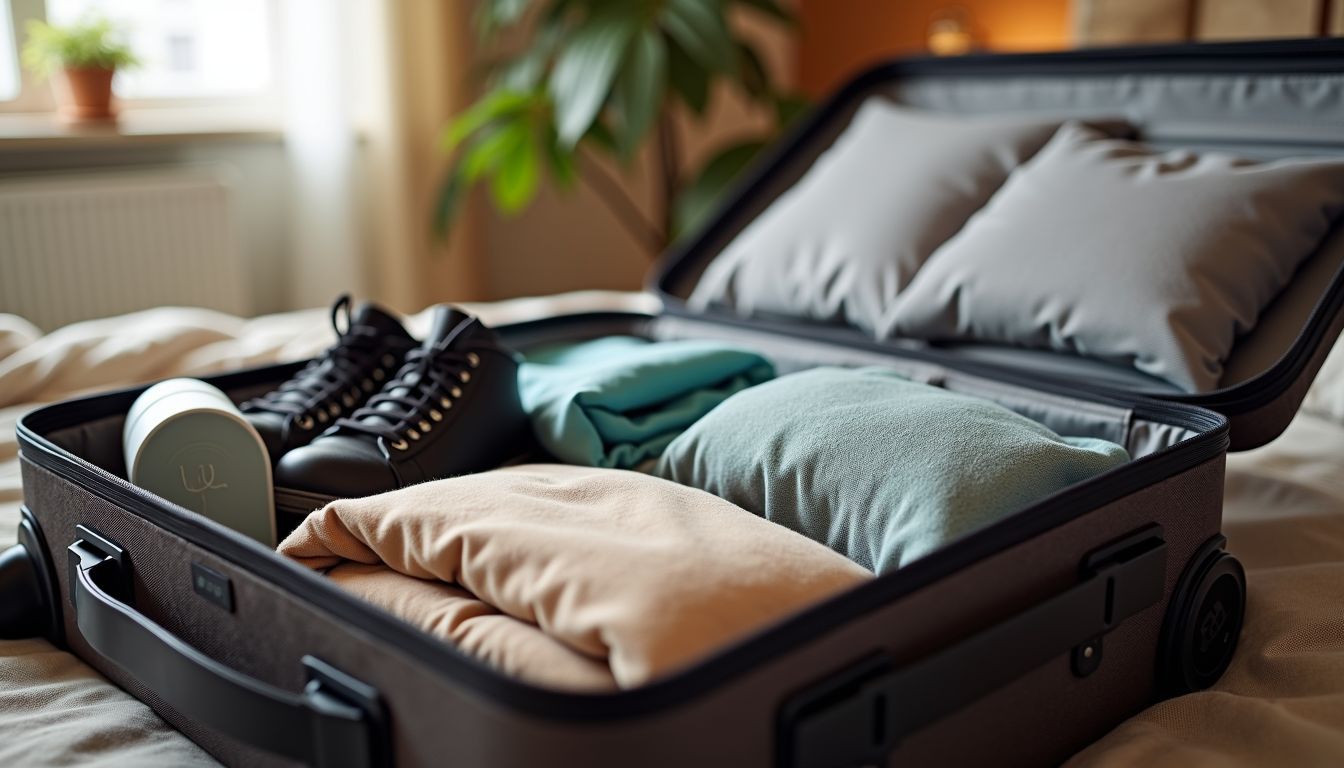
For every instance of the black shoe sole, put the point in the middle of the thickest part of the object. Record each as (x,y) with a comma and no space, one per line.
(297,503)
(293,505)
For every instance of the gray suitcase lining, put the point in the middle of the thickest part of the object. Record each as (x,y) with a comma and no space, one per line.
(1265,115)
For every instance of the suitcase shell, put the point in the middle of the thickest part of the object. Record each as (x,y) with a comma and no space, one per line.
(1017,644)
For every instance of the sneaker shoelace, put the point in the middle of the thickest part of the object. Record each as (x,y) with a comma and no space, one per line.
(420,394)
(332,383)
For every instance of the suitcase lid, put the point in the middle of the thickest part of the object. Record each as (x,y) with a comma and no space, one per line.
(1263,100)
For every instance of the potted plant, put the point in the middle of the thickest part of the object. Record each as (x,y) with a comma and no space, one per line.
(597,77)
(81,59)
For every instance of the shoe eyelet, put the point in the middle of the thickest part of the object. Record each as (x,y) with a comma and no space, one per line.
(424,426)
(455,392)
(348,401)
(435,414)
(473,359)
(411,433)
(445,403)
(464,376)
(366,385)
(389,361)
(399,445)
(304,422)
(335,409)
(378,374)
(322,417)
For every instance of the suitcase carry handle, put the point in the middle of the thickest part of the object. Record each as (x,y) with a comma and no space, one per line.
(859,715)
(336,721)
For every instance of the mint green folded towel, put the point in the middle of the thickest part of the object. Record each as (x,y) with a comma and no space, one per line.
(879,468)
(618,401)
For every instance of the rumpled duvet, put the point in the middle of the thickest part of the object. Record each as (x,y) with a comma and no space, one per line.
(576,578)
(618,401)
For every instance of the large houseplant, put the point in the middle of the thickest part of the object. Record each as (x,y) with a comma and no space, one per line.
(602,77)
(81,60)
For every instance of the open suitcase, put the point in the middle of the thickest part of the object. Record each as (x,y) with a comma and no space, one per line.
(1018,644)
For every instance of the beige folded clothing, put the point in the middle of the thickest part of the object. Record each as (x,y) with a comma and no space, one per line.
(571,577)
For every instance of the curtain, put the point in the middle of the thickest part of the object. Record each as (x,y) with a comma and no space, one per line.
(369,84)
(320,142)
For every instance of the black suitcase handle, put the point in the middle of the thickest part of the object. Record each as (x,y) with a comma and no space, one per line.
(323,726)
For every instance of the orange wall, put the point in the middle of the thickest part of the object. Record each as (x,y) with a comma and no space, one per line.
(841,36)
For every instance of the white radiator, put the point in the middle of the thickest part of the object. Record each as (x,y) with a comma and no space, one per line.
(78,247)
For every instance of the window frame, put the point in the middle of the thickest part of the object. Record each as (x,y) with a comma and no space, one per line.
(35,95)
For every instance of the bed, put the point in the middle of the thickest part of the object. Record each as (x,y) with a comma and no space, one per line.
(1280,703)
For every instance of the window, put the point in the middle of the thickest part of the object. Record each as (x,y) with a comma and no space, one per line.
(9,59)
(207,53)
(188,48)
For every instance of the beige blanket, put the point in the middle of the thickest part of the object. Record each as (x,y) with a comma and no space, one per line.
(1281,703)
(571,577)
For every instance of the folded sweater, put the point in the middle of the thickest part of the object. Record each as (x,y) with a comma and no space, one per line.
(618,401)
(882,469)
(570,577)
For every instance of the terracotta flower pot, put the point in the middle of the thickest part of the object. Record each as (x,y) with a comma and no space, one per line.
(84,94)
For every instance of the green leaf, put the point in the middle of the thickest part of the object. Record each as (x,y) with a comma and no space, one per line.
(689,80)
(561,160)
(92,42)
(771,8)
(752,74)
(639,90)
(523,71)
(701,29)
(493,15)
(485,153)
(449,202)
(790,107)
(491,107)
(583,74)
(518,176)
(554,17)
(703,195)
(601,135)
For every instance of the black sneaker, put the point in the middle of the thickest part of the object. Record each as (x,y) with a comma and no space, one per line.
(372,347)
(452,408)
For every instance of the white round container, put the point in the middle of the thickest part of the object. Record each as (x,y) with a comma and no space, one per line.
(185,441)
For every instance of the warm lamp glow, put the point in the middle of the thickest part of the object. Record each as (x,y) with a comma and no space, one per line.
(950,34)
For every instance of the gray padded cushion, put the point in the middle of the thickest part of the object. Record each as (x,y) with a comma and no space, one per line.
(1102,248)
(847,238)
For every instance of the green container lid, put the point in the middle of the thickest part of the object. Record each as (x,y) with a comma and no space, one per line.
(187,442)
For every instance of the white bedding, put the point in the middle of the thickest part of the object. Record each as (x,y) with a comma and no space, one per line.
(1281,703)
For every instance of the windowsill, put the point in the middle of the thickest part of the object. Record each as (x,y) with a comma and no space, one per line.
(23,132)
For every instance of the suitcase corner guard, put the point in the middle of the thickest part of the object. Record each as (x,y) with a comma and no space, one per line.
(335,721)
(860,714)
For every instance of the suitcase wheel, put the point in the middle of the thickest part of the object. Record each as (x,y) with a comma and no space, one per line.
(1203,622)
(28,604)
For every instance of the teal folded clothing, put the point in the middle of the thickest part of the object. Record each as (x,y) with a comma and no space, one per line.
(619,401)
(879,468)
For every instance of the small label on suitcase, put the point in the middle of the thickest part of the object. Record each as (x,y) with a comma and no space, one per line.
(212,585)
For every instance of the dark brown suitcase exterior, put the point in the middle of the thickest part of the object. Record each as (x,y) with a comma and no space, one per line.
(1016,645)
